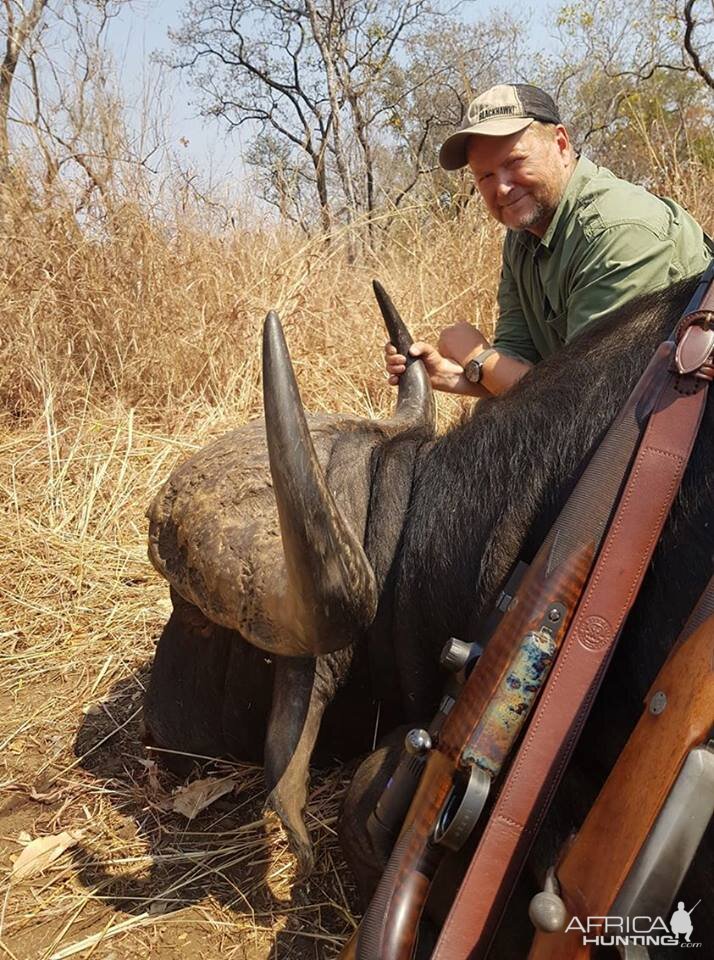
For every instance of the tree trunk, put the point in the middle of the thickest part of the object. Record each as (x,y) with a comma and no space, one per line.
(332,83)
(18,34)
(362,130)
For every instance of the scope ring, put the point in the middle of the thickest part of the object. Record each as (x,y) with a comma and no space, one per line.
(461,811)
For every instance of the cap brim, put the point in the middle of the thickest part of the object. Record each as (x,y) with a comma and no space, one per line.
(452,155)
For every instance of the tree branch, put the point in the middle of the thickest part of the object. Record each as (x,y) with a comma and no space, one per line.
(689,44)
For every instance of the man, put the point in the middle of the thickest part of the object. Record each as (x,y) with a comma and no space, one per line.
(580,243)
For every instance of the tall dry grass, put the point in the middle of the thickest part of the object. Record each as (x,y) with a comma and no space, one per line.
(163,317)
(126,343)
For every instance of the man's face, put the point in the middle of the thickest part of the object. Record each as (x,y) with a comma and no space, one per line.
(522,177)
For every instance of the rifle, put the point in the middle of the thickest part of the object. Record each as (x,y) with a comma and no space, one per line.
(640,835)
(481,727)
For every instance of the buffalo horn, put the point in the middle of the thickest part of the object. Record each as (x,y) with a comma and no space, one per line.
(332,590)
(415,399)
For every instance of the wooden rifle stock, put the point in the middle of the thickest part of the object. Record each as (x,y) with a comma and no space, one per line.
(598,861)
(477,731)
(486,720)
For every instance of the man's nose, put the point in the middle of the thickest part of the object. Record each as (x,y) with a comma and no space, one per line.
(503,185)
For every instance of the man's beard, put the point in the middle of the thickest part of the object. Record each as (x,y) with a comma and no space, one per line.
(541,213)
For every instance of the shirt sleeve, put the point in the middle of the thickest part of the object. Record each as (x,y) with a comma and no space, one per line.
(512,335)
(621,263)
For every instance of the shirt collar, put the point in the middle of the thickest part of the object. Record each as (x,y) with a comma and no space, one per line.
(584,171)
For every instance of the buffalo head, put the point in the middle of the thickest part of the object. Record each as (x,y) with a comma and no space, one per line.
(268,535)
(214,526)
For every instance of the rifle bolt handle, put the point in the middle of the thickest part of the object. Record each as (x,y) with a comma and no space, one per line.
(548,912)
(417,742)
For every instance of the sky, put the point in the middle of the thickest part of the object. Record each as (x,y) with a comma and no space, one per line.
(141,30)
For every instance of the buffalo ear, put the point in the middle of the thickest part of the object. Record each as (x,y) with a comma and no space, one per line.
(415,398)
(331,586)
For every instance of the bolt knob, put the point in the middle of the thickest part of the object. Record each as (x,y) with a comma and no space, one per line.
(417,742)
(548,912)
(455,654)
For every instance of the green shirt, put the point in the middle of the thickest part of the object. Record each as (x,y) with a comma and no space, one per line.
(608,242)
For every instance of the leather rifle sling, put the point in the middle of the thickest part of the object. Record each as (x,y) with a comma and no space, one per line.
(565,701)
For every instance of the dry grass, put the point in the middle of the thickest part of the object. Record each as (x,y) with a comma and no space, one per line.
(124,348)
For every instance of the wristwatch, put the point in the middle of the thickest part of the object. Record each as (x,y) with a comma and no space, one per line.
(473,371)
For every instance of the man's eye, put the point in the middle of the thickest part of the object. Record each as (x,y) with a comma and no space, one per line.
(484,176)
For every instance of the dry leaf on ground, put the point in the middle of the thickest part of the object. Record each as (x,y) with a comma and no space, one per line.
(200,794)
(40,853)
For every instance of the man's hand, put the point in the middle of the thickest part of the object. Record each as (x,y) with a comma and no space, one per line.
(444,374)
(460,341)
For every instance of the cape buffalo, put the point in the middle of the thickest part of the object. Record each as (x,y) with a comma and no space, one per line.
(292,555)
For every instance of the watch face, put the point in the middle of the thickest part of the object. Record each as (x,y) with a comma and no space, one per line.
(472,371)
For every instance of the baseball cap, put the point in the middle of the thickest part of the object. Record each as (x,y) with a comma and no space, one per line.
(500,111)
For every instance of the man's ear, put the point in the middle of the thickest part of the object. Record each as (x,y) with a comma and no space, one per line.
(562,139)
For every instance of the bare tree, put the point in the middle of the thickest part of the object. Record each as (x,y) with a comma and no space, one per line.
(356,62)
(256,64)
(64,104)
(625,79)
(305,71)
(343,99)
(20,28)
(703,25)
